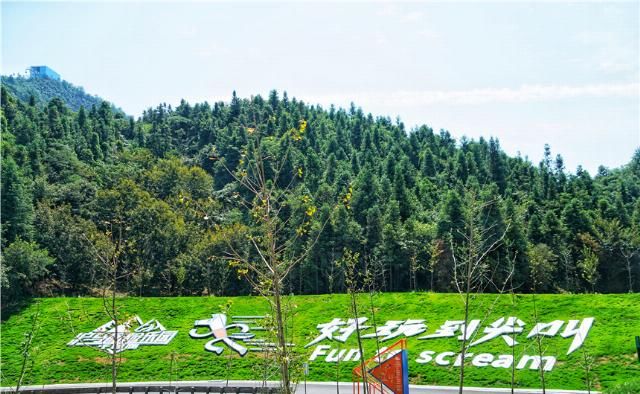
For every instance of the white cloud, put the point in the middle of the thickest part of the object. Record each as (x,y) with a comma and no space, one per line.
(388,9)
(381,39)
(413,16)
(610,52)
(428,34)
(525,93)
(392,10)
(618,58)
(209,49)
(188,32)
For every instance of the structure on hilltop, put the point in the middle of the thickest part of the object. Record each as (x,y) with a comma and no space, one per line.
(43,72)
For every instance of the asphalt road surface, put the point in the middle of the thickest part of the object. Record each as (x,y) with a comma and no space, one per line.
(302,388)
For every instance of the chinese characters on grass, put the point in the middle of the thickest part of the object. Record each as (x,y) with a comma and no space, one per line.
(506,328)
(112,340)
(239,336)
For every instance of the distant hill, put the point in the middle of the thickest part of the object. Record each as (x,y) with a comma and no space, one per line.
(43,90)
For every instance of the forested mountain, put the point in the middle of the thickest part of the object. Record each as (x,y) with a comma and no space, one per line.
(44,90)
(159,193)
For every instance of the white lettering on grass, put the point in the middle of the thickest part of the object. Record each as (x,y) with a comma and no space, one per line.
(425,357)
(580,332)
(440,358)
(352,355)
(549,362)
(503,361)
(320,350)
(335,355)
(482,360)
(459,359)
(486,360)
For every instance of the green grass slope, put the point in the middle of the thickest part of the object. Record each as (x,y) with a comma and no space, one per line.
(609,347)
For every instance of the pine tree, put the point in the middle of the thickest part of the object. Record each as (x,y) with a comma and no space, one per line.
(17,208)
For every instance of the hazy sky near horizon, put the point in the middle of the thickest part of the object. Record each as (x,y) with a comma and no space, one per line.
(566,74)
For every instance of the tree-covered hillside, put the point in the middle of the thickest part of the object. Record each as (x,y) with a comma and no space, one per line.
(161,192)
(43,90)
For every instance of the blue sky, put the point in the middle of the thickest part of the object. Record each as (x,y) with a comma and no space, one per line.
(567,74)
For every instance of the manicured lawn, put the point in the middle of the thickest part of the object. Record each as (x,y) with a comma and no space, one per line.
(609,346)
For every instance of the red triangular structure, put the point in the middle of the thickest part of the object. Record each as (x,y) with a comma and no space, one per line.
(389,373)
(385,373)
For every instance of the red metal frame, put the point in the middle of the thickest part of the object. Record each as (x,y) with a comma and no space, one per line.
(390,371)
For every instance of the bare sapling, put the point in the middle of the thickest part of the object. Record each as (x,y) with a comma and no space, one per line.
(113,272)
(27,349)
(281,217)
(349,263)
(471,270)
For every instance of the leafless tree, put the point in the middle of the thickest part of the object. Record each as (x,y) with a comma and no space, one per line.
(587,365)
(511,258)
(629,248)
(541,260)
(471,270)
(269,197)
(108,256)
(436,248)
(538,344)
(349,263)
(27,349)
(370,284)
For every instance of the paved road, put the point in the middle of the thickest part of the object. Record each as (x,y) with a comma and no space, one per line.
(310,388)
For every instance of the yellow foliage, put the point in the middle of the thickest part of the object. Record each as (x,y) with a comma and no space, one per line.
(346,199)
(242,271)
(311,210)
(296,134)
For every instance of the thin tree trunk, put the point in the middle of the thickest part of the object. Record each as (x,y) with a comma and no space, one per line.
(300,279)
(282,343)
(463,349)
(354,306)
(513,336)
(539,345)
(26,349)
(471,258)
(629,274)
(513,365)
(587,369)
(338,374)
(373,318)
(114,367)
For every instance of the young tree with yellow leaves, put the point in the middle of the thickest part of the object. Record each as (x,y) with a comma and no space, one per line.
(280,215)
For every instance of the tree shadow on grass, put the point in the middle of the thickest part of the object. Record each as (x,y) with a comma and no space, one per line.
(9,309)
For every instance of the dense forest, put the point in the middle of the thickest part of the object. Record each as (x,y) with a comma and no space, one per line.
(162,190)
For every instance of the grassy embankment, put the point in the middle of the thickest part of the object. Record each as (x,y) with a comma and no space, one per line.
(609,344)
